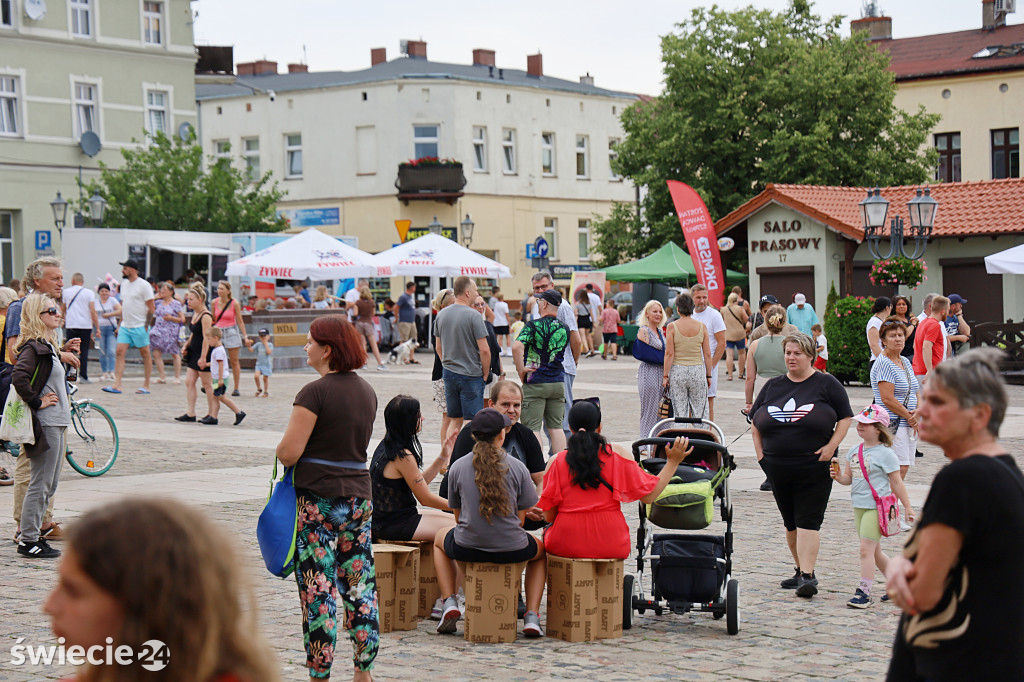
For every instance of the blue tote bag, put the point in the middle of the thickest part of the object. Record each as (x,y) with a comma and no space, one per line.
(276,528)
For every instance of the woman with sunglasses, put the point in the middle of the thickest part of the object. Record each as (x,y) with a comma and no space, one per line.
(38,377)
(585,486)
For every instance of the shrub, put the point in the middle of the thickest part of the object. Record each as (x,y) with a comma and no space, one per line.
(848,354)
(830,309)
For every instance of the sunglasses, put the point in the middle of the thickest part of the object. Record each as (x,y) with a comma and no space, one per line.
(596,402)
(49,311)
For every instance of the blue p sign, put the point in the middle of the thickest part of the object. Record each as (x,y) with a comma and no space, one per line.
(42,240)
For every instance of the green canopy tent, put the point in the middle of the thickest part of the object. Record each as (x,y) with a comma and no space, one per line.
(670,265)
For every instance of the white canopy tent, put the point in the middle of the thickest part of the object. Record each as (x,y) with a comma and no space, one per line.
(310,254)
(435,256)
(1008,262)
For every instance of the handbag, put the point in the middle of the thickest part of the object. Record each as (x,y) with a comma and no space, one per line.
(645,352)
(888,506)
(665,410)
(16,425)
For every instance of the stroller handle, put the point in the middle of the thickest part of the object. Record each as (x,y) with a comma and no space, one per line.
(688,420)
(723,450)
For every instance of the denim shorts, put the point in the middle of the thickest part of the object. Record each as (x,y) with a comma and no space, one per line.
(737,345)
(463,395)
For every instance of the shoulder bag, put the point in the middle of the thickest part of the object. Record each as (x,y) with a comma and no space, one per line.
(888,506)
(645,352)
(16,425)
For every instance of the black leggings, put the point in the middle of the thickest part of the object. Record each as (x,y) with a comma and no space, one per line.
(801,486)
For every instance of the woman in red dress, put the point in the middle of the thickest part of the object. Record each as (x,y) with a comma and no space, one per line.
(585,486)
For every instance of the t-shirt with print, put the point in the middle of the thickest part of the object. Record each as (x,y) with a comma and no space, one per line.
(795,418)
(976,630)
(133,302)
(929,330)
(545,341)
(345,407)
(78,300)
(609,321)
(568,318)
(880,461)
(502,533)
(905,392)
(460,327)
(406,308)
(218,363)
(712,319)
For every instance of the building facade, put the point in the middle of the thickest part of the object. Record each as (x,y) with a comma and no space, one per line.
(108,71)
(535,150)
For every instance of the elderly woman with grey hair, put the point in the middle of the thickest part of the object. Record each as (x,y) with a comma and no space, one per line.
(958,581)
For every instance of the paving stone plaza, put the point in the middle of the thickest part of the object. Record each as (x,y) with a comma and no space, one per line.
(225,470)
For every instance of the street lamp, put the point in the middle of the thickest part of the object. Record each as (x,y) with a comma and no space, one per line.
(435,227)
(922,211)
(60,213)
(97,207)
(467,226)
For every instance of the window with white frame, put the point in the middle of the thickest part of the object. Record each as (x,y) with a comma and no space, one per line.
(7,13)
(86,116)
(156,112)
(81,18)
(424,141)
(551,237)
(547,154)
(251,155)
(9,107)
(480,149)
(613,154)
(293,156)
(152,22)
(584,238)
(6,246)
(582,156)
(508,151)
(222,149)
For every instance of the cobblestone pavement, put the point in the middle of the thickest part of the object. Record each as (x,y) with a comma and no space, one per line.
(226,470)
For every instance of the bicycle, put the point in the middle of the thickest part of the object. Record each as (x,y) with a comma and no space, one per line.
(93,441)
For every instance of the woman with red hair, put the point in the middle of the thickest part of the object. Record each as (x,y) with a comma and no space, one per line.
(327,439)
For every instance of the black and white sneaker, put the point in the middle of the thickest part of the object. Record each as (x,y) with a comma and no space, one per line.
(37,550)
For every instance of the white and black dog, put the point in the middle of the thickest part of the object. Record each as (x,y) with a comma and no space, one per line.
(402,353)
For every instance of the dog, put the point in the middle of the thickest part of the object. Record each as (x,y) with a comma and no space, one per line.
(402,353)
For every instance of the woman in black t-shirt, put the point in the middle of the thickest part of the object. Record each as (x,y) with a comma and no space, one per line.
(958,581)
(799,419)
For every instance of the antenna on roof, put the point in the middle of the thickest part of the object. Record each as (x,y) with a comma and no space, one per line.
(304,59)
(871,9)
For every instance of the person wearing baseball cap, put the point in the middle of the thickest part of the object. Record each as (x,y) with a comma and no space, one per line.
(264,364)
(489,519)
(958,332)
(758,328)
(539,352)
(136,305)
(801,314)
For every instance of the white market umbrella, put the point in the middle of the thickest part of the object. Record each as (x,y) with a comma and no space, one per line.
(310,254)
(435,256)
(1008,262)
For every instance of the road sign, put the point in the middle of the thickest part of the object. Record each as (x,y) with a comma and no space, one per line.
(42,240)
(540,245)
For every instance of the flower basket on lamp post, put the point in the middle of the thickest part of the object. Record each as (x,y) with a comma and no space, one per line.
(896,271)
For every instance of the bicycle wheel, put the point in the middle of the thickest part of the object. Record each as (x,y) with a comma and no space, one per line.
(92,439)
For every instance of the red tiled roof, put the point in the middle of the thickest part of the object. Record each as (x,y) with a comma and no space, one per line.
(989,207)
(950,54)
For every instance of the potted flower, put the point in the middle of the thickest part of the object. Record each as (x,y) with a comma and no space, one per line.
(430,174)
(896,271)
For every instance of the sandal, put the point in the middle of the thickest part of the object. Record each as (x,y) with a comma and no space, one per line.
(159,381)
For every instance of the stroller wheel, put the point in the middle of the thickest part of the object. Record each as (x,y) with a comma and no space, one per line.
(629,591)
(718,615)
(732,607)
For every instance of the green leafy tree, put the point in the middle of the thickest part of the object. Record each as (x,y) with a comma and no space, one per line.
(164,186)
(753,97)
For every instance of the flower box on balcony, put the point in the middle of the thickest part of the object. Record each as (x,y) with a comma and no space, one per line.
(423,176)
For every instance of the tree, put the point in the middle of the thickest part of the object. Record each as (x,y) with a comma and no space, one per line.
(753,97)
(163,186)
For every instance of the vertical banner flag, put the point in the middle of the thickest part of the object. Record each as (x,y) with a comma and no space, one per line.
(701,241)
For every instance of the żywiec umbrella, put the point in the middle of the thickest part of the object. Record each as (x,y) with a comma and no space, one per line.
(435,256)
(1008,262)
(310,254)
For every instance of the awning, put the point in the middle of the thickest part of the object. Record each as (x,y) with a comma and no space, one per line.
(192,249)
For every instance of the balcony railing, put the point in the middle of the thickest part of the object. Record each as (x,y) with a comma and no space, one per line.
(436,182)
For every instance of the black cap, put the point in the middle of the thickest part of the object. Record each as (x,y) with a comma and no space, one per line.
(130,263)
(551,296)
(766,299)
(489,421)
(263,332)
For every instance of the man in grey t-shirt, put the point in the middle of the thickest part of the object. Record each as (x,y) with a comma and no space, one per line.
(460,336)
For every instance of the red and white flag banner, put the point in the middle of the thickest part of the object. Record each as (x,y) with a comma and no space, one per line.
(701,242)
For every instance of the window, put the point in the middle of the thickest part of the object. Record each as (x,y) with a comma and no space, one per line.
(547,154)
(293,156)
(222,150)
(85,109)
(480,149)
(156,112)
(551,237)
(6,13)
(613,142)
(9,106)
(251,154)
(81,18)
(582,156)
(424,140)
(584,238)
(152,23)
(1006,153)
(6,246)
(948,146)
(508,151)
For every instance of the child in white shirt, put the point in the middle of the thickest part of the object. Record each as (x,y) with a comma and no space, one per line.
(218,373)
(820,362)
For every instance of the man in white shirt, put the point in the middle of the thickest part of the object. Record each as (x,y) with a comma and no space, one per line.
(351,296)
(713,320)
(595,315)
(80,319)
(136,305)
(541,281)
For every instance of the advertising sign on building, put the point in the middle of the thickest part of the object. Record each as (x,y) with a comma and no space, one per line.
(311,217)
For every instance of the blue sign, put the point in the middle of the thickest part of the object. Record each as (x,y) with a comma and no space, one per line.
(541,247)
(531,252)
(311,217)
(42,240)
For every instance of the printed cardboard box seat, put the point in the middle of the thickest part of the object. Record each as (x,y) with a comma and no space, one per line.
(584,599)
(492,597)
(398,586)
(429,589)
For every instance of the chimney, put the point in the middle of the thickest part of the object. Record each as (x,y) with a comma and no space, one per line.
(418,48)
(989,18)
(378,55)
(246,68)
(298,68)
(261,67)
(483,57)
(876,28)
(587,80)
(535,65)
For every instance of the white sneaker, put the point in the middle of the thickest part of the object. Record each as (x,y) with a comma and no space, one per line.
(435,613)
(449,616)
(904,526)
(460,597)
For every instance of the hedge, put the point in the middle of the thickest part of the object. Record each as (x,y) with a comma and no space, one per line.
(848,353)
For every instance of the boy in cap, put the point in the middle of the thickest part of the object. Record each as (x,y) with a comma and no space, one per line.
(264,366)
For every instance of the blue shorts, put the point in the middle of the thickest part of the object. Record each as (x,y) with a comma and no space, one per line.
(737,345)
(136,337)
(265,370)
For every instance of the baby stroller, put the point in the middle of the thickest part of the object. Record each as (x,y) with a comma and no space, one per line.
(689,572)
